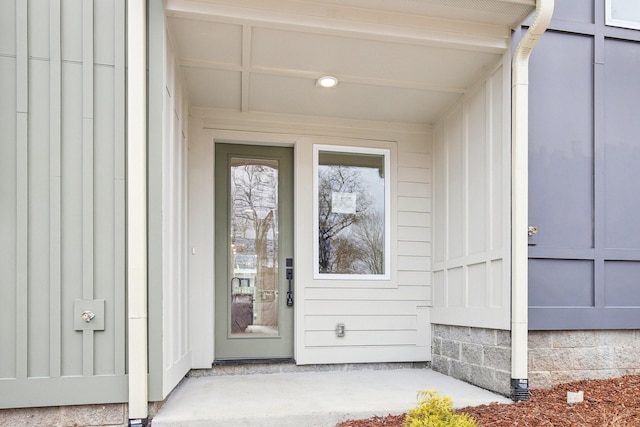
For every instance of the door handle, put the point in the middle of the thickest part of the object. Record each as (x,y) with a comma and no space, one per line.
(289,276)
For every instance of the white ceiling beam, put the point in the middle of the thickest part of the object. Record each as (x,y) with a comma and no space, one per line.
(348,21)
(212,65)
(269,123)
(312,75)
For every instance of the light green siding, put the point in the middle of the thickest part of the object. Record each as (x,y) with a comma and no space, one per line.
(62,200)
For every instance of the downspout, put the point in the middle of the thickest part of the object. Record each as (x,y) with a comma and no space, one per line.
(520,199)
(137,211)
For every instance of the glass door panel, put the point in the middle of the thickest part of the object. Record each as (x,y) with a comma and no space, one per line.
(254,247)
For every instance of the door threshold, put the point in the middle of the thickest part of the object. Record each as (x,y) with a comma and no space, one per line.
(224,367)
(270,361)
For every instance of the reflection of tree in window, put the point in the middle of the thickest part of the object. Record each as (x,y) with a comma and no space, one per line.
(370,237)
(351,238)
(254,210)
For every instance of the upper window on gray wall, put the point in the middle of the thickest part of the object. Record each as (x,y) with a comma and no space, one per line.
(623,13)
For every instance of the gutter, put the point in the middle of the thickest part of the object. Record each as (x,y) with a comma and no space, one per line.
(520,199)
(137,329)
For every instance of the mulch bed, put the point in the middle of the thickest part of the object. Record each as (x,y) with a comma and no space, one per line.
(607,403)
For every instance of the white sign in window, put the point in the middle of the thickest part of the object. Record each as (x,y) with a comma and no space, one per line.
(351,213)
(344,203)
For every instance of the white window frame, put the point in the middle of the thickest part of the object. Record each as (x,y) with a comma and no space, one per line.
(616,22)
(386,154)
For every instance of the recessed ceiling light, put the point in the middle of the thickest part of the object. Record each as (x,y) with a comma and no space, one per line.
(327,82)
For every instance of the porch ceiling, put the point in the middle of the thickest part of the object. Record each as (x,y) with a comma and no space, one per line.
(396,60)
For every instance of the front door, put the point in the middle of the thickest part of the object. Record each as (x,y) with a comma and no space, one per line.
(254,250)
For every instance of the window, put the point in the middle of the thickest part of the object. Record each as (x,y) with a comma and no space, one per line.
(351,213)
(623,13)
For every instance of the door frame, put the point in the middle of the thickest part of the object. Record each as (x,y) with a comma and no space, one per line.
(247,348)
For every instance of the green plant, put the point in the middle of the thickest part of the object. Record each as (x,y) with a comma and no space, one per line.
(436,411)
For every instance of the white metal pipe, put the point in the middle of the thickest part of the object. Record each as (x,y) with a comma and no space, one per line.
(137,208)
(520,188)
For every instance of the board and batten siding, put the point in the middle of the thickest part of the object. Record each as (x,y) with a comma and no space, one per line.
(584,151)
(472,166)
(169,347)
(62,202)
(386,320)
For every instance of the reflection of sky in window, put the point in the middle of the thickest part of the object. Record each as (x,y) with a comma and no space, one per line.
(254,196)
(367,166)
(264,197)
(626,10)
(374,185)
(372,182)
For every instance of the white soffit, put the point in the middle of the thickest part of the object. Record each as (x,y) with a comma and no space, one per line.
(403,60)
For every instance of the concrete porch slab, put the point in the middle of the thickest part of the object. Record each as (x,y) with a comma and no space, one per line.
(305,399)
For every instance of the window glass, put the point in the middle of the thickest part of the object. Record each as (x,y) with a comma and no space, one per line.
(254,248)
(351,213)
(623,13)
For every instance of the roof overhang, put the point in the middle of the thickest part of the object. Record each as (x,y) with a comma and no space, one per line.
(398,61)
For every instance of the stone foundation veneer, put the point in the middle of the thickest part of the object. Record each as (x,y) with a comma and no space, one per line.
(478,356)
(557,357)
(107,415)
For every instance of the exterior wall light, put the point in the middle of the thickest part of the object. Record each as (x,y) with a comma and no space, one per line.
(327,82)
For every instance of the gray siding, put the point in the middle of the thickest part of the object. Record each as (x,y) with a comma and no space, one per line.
(61,201)
(583,187)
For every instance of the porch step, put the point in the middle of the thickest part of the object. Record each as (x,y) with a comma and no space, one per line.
(321,398)
(281,367)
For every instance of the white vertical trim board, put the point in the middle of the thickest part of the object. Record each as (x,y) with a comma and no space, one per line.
(201,245)
(137,207)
